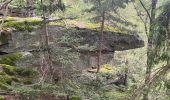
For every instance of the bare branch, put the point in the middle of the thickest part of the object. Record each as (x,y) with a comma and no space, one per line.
(145,9)
(144,21)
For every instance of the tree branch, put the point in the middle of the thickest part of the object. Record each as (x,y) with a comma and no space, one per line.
(144,22)
(145,9)
(154,77)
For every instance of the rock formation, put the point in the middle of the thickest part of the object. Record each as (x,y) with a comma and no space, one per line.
(87,44)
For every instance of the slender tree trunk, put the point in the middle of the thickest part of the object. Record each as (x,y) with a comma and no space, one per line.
(47,52)
(30,8)
(168,38)
(150,50)
(101,42)
(126,73)
(168,46)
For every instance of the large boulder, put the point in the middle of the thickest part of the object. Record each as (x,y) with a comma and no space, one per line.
(86,44)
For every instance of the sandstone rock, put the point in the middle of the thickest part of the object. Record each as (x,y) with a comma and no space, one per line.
(87,44)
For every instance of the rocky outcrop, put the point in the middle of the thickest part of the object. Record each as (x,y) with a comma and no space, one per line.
(112,41)
(85,42)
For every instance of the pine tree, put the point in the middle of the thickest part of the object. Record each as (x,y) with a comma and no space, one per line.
(157,31)
(150,47)
(103,9)
(47,53)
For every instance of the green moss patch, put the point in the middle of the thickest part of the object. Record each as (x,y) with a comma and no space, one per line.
(26,75)
(8,74)
(7,69)
(22,24)
(10,59)
(88,25)
(6,79)
(107,68)
(7,19)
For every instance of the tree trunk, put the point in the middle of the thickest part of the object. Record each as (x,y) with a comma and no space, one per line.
(150,50)
(168,38)
(100,42)
(30,8)
(47,52)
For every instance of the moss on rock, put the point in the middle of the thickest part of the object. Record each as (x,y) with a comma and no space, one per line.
(8,74)
(6,79)
(88,25)
(26,75)
(107,68)
(10,59)
(7,69)
(22,24)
